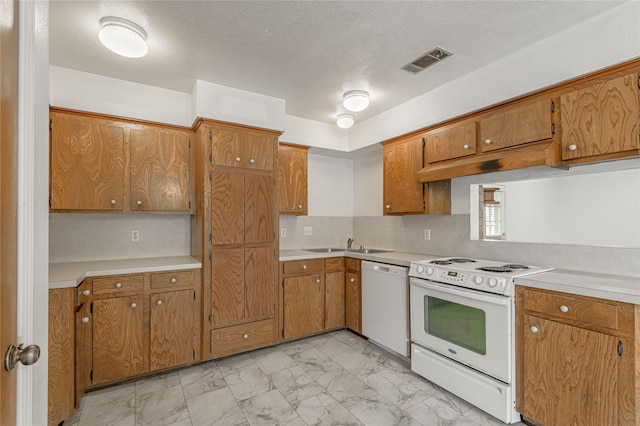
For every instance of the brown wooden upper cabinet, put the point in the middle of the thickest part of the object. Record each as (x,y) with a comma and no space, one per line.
(518,124)
(600,118)
(100,163)
(233,147)
(453,141)
(160,178)
(87,164)
(402,193)
(292,179)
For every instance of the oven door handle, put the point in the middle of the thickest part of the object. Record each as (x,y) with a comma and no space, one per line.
(468,294)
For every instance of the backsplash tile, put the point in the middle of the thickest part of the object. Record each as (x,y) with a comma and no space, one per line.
(328,231)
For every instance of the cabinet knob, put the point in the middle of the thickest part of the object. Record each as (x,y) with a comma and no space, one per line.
(173,280)
(299,206)
(245,336)
(85,319)
(352,280)
(388,206)
(113,202)
(118,285)
(572,147)
(133,305)
(564,308)
(86,292)
(317,280)
(237,159)
(252,161)
(304,266)
(465,146)
(534,329)
(138,203)
(487,141)
(159,302)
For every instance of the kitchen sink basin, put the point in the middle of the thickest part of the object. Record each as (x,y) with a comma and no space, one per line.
(369,251)
(324,250)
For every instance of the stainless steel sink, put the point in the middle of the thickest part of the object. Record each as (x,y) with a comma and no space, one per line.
(324,250)
(369,251)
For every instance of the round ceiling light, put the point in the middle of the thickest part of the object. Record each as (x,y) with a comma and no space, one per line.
(123,37)
(355,100)
(345,121)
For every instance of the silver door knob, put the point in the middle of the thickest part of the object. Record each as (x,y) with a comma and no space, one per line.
(487,141)
(534,329)
(564,308)
(133,305)
(237,159)
(113,202)
(572,147)
(118,285)
(173,280)
(85,320)
(159,302)
(26,356)
(138,203)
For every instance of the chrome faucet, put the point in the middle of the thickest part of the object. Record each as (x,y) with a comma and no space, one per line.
(349,242)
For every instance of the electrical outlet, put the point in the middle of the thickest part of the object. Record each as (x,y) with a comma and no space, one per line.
(427,234)
(135,235)
(283,232)
(308,231)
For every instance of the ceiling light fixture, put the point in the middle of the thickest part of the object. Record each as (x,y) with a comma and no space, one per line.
(123,37)
(355,100)
(345,121)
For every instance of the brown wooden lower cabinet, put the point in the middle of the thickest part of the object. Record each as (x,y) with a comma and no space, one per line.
(577,359)
(334,309)
(353,296)
(61,359)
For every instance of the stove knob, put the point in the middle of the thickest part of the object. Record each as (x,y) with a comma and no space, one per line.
(429,271)
(420,269)
(492,282)
(478,279)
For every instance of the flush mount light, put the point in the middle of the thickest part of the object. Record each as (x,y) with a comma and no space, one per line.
(355,100)
(123,37)
(345,121)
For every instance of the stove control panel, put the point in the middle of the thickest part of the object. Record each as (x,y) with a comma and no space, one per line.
(468,279)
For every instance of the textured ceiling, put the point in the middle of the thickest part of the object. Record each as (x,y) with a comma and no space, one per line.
(309,52)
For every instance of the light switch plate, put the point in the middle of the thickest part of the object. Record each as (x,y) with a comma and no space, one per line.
(308,231)
(283,232)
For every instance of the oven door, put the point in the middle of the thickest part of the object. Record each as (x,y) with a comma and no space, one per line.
(468,326)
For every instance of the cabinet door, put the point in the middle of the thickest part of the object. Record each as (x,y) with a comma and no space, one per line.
(259,204)
(292,180)
(227,207)
(226,147)
(402,191)
(600,119)
(227,286)
(570,374)
(303,305)
(334,308)
(353,302)
(118,347)
(61,359)
(159,170)
(259,151)
(259,282)
(450,142)
(87,165)
(171,329)
(516,125)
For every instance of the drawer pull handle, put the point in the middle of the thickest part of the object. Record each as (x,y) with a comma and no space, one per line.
(564,308)
(352,280)
(133,305)
(118,285)
(86,292)
(534,329)
(85,319)
(245,336)
(304,266)
(173,280)
(113,202)
(159,302)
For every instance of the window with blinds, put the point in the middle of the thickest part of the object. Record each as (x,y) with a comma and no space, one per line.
(492,217)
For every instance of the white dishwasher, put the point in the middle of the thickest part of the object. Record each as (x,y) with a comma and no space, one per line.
(384,306)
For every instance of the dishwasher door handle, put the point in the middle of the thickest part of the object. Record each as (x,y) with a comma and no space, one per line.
(381,268)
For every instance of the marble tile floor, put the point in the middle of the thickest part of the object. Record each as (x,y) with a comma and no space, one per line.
(332,379)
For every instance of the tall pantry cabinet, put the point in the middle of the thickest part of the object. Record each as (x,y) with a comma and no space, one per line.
(234,233)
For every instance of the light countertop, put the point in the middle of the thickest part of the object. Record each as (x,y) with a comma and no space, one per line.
(65,275)
(390,257)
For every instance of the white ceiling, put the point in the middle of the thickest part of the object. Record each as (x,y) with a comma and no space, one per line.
(309,52)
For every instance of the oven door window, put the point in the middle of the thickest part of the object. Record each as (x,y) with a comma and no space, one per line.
(461,325)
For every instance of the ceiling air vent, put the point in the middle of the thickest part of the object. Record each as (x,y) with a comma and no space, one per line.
(428,59)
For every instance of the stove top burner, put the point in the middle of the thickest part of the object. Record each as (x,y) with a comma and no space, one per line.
(461,260)
(500,269)
(516,266)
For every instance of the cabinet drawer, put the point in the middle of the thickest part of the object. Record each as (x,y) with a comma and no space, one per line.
(240,338)
(353,264)
(586,312)
(118,285)
(172,279)
(302,266)
(334,264)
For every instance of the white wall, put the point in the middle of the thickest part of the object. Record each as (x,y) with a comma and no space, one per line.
(330,186)
(303,131)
